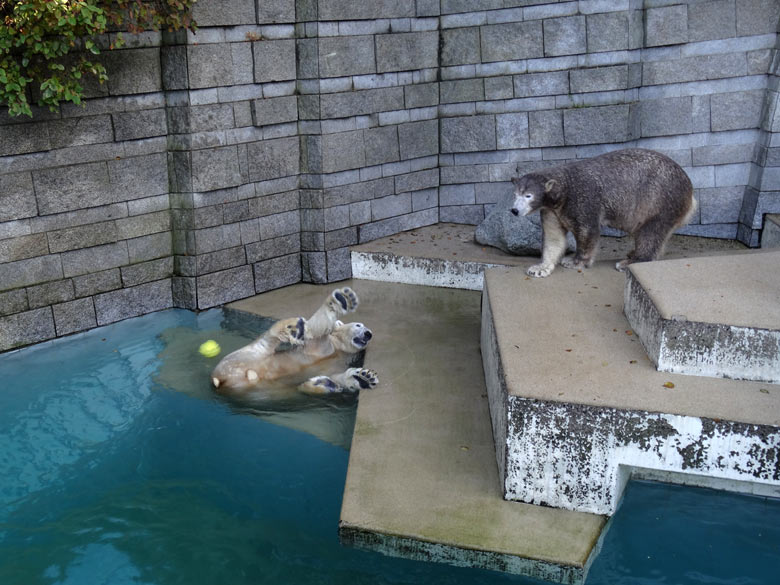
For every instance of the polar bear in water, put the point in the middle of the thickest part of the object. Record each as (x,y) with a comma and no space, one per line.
(286,358)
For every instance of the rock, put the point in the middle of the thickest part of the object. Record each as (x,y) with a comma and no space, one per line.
(521,235)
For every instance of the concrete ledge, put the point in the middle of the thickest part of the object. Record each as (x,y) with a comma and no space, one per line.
(711,316)
(577,406)
(770,236)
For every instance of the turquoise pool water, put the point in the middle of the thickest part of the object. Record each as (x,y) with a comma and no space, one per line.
(118,466)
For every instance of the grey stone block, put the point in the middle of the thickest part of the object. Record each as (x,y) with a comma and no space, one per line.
(407,51)
(464,174)
(457,195)
(599,79)
(340,238)
(143,124)
(755,17)
(66,188)
(280,224)
(74,316)
(97,282)
(22,247)
(273,248)
(17,198)
(274,11)
(147,271)
(95,259)
(418,139)
(703,67)
(343,151)
(82,237)
(512,41)
(173,65)
(308,58)
(49,293)
(666,117)
(359,103)
(149,247)
(132,302)
(512,130)
(274,60)
(200,118)
(30,271)
(465,214)
(26,328)
(711,20)
(351,55)
(349,10)
(274,203)
(271,159)
(13,301)
(460,46)
(394,225)
(417,181)
(391,206)
(426,199)
(184,292)
(132,71)
(334,218)
(359,212)
(736,110)
(339,264)
(722,154)
(277,272)
(538,84)
(607,31)
(596,125)
(275,110)
(225,12)
(421,95)
(499,88)
(720,204)
(564,36)
(215,168)
(381,145)
(217,238)
(468,134)
(82,130)
(137,177)
(667,25)
(313,267)
(23,138)
(461,90)
(489,193)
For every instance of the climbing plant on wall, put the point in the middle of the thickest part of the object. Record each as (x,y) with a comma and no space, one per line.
(49,47)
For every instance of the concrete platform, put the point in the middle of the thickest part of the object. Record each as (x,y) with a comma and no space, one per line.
(446,255)
(577,406)
(770,236)
(710,316)
(422,480)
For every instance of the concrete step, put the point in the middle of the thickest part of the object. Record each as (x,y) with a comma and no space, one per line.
(711,316)
(770,236)
(446,255)
(578,408)
(422,480)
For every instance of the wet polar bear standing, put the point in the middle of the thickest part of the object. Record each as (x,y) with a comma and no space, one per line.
(297,355)
(639,191)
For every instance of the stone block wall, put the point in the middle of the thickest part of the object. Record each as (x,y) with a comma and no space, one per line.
(254,153)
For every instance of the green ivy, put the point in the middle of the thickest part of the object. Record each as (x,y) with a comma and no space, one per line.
(48,47)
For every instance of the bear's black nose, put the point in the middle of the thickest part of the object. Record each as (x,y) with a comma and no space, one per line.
(514,211)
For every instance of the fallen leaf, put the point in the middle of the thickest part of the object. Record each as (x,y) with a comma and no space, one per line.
(607,305)
(668,385)
(567,350)
(763,390)
(629,332)
(632,361)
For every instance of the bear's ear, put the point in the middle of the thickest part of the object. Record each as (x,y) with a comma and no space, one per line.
(515,181)
(550,185)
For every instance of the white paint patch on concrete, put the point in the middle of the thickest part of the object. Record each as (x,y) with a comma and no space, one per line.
(423,271)
(577,457)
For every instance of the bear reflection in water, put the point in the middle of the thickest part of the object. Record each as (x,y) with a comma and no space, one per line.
(300,355)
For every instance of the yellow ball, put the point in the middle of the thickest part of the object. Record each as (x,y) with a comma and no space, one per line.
(209,348)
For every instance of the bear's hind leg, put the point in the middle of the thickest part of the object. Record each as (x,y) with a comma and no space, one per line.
(339,302)
(587,242)
(649,242)
(353,380)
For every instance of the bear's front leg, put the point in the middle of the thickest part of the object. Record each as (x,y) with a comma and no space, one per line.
(553,245)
